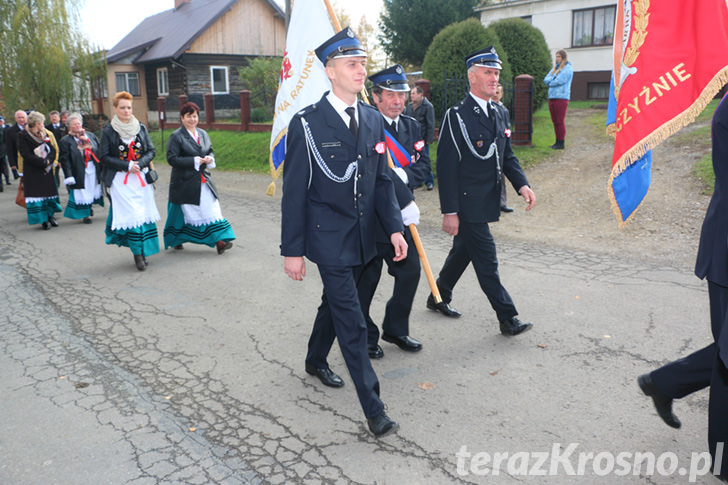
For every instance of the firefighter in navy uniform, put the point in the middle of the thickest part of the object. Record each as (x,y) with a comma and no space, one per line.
(411,168)
(335,190)
(473,155)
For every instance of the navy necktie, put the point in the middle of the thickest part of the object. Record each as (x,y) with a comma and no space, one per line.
(353,127)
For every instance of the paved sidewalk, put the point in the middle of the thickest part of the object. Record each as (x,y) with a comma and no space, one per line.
(192,371)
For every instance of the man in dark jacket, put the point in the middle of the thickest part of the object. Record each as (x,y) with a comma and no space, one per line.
(411,167)
(4,169)
(422,110)
(335,188)
(11,142)
(59,131)
(473,154)
(708,366)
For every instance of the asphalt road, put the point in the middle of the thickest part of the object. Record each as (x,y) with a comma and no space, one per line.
(192,371)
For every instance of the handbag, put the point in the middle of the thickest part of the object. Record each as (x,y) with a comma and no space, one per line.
(20,198)
(151,176)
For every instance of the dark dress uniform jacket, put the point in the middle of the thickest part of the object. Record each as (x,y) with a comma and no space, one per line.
(186,183)
(324,220)
(110,153)
(59,132)
(712,260)
(73,160)
(470,186)
(11,144)
(36,181)
(3,150)
(408,134)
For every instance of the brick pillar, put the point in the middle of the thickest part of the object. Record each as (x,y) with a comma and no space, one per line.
(522,110)
(245,109)
(425,85)
(209,109)
(162,110)
(182,100)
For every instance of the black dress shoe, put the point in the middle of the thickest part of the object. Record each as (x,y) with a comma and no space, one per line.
(87,220)
(53,221)
(663,404)
(326,376)
(505,208)
(45,226)
(139,262)
(375,351)
(442,307)
(179,246)
(382,425)
(513,326)
(223,246)
(405,342)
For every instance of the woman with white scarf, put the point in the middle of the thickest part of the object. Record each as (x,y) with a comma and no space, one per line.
(38,148)
(193,212)
(79,159)
(125,154)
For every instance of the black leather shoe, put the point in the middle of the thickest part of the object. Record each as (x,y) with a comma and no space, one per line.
(87,220)
(442,307)
(53,221)
(382,425)
(223,246)
(45,226)
(513,326)
(139,262)
(179,247)
(375,351)
(505,208)
(663,404)
(405,342)
(326,376)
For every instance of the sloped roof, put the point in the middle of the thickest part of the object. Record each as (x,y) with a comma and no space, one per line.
(168,34)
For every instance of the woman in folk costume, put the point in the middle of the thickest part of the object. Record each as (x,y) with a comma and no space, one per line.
(125,154)
(79,159)
(193,212)
(39,151)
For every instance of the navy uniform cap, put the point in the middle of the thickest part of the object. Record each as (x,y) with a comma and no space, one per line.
(343,44)
(487,57)
(391,79)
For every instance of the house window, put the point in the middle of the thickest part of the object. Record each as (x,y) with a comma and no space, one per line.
(219,79)
(597,91)
(129,82)
(528,18)
(593,26)
(162,82)
(98,88)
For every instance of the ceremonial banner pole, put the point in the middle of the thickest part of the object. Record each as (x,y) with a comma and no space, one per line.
(421,252)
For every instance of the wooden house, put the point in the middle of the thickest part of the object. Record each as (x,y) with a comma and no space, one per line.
(193,49)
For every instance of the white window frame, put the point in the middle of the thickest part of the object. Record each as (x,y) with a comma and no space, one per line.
(593,26)
(162,87)
(125,87)
(212,80)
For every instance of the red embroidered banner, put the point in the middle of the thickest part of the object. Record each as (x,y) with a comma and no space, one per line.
(670,60)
